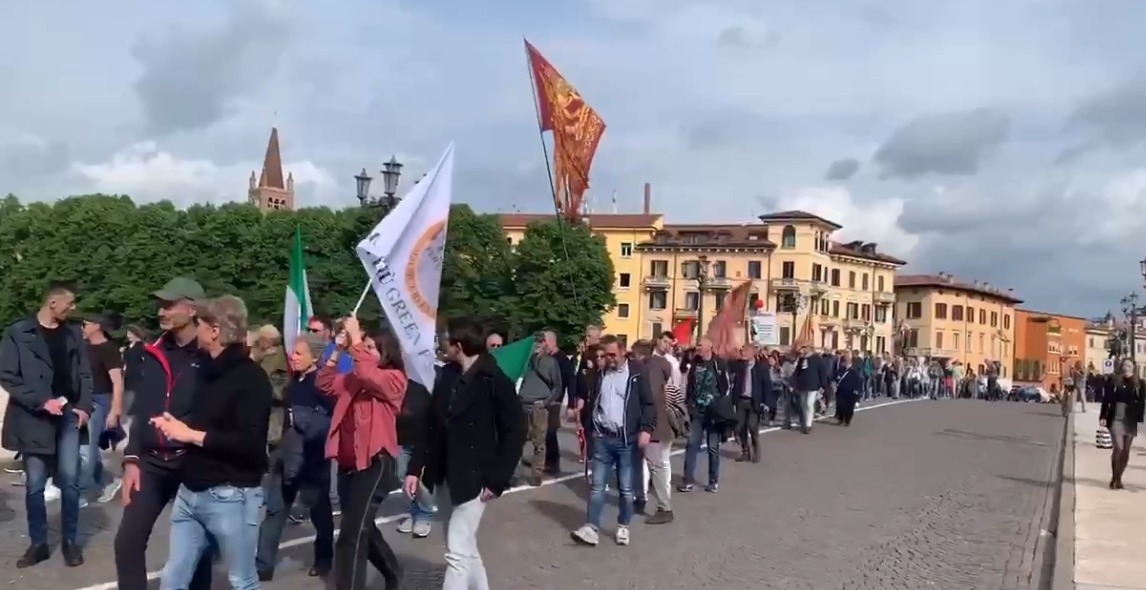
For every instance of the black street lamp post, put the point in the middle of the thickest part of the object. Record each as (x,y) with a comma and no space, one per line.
(391,172)
(1130,310)
(701,283)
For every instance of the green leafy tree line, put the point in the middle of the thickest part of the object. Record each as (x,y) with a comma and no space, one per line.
(117,253)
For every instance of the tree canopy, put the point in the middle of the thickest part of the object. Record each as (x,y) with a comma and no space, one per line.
(117,253)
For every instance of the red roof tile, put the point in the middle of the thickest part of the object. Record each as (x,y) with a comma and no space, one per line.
(598,220)
(856,252)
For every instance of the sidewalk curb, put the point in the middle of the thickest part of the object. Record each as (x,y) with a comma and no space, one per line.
(1060,556)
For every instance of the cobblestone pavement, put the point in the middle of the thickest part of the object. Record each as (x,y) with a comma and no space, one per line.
(945,495)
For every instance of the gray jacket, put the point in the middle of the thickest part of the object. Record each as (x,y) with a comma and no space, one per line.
(541,381)
(26,374)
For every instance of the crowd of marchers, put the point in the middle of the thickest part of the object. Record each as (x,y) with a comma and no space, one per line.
(229,428)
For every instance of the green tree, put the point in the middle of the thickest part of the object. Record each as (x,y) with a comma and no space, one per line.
(563,278)
(477,274)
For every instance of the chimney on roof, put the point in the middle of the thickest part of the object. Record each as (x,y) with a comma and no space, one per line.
(648,197)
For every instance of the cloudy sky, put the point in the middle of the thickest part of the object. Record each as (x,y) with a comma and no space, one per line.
(1003,141)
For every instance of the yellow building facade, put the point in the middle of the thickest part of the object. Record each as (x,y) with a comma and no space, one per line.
(966,321)
(790,257)
(847,288)
(622,234)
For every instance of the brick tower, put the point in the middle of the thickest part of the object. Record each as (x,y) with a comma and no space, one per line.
(270,191)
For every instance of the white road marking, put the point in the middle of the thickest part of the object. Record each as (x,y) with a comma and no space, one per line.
(564,478)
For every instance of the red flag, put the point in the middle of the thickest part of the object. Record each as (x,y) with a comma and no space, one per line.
(722,329)
(682,332)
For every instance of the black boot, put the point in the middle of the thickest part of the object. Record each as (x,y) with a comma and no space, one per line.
(35,554)
(73,555)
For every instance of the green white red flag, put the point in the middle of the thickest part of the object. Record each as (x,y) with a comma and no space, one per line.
(296,307)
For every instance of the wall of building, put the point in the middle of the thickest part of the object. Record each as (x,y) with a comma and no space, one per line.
(1047,345)
(668,296)
(939,325)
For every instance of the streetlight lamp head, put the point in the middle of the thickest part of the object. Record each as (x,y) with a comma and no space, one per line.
(362,181)
(1142,268)
(390,172)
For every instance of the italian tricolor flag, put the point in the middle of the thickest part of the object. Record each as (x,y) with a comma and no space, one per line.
(296,308)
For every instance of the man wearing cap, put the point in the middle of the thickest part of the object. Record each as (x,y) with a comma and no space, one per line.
(107,396)
(44,369)
(164,379)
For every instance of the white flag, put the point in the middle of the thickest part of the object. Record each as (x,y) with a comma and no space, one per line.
(403,257)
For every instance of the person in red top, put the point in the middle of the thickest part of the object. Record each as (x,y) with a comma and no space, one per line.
(363,441)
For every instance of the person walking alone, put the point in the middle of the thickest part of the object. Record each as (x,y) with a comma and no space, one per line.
(1122,410)
(849,389)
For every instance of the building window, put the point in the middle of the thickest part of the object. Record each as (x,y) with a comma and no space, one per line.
(835,277)
(881,315)
(659,268)
(938,339)
(880,345)
(957,313)
(623,310)
(994,319)
(624,280)
(720,269)
(752,299)
(914,310)
(835,309)
(863,282)
(940,311)
(955,341)
(969,342)
(865,312)
(982,344)
(788,270)
(754,269)
(691,300)
(817,272)
(788,237)
(983,317)
(658,299)
(690,269)
(851,279)
(825,307)
(853,311)
(626,249)
(785,335)
(1006,321)
(879,283)
(658,329)
(970,314)
(912,338)
(1089,341)
(719,297)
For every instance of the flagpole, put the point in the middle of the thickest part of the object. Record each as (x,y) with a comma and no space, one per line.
(361,298)
(561,221)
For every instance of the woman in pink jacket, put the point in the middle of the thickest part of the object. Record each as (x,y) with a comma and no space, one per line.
(363,441)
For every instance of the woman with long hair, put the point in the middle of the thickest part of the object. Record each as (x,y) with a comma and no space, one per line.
(363,440)
(1122,409)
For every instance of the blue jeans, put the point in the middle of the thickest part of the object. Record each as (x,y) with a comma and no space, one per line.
(66,473)
(611,455)
(91,463)
(228,514)
(422,506)
(702,431)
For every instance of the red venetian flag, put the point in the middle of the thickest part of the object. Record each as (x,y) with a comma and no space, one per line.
(723,328)
(682,332)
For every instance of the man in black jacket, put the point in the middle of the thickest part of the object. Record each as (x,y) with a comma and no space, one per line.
(474,436)
(165,379)
(707,382)
(750,380)
(44,368)
(809,380)
(623,416)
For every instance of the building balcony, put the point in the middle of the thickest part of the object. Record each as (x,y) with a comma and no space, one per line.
(718,283)
(882,298)
(932,352)
(787,285)
(657,283)
(854,324)
(683,312)
(818,288)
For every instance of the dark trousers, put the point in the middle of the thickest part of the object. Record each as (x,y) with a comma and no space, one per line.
(280,497)
(359,539)
(747,427)
(65,467)
(157,487)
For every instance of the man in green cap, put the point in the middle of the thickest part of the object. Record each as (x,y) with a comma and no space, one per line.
(164,380)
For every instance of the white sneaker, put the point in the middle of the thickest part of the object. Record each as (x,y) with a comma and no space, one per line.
(422,529)
(622,536)
(586,535)
(111,491)
(406,526)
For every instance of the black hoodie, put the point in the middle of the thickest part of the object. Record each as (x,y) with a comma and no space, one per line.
(475,431)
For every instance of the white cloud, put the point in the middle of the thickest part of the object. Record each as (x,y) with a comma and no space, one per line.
(873,221)
(147,173)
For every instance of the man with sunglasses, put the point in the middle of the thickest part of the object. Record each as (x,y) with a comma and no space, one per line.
(165,380)
(323,327)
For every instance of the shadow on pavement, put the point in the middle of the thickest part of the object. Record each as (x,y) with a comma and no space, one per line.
(569,517)
(1022,440)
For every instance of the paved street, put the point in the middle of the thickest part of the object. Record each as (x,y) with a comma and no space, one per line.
(932,494)
(1108,523)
